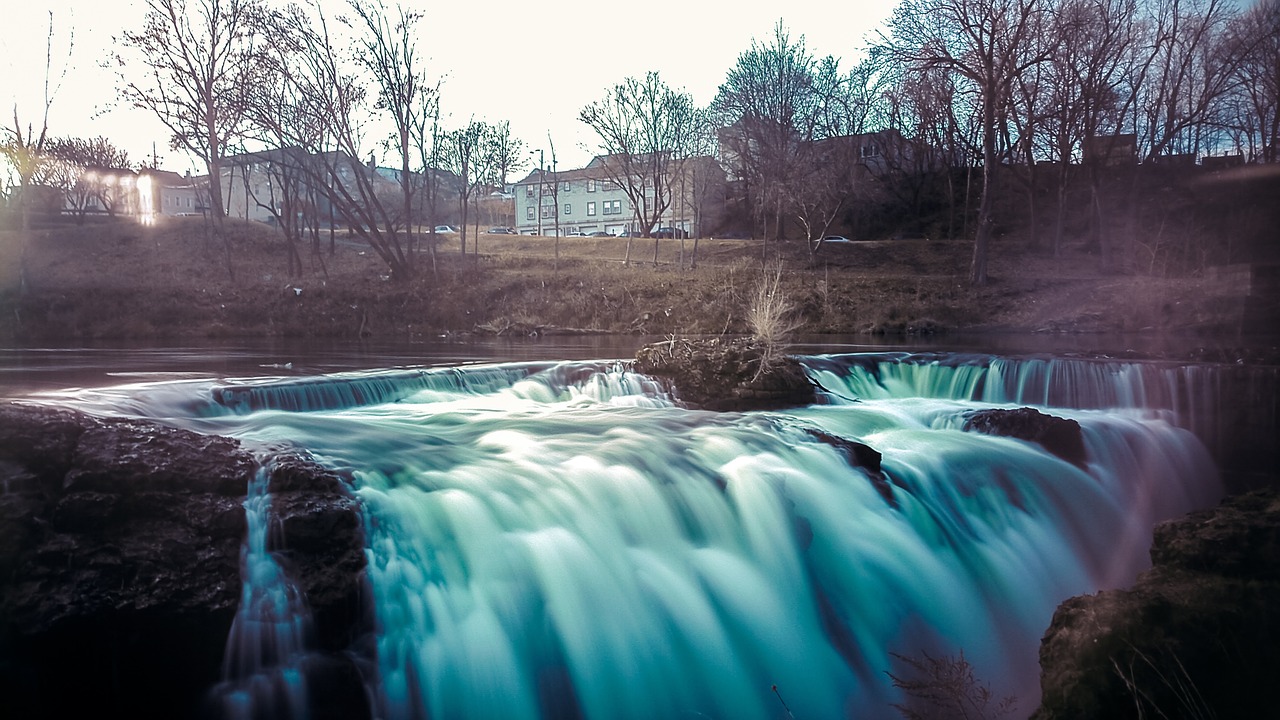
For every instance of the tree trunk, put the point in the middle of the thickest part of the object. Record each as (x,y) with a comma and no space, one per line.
(978,269)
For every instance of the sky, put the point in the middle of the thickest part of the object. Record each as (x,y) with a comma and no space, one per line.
(535,64)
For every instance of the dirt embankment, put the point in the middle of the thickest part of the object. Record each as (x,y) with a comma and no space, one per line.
(119,280)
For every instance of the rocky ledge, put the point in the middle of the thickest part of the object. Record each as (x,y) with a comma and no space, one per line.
(727,375)
(120,546)
(1196,636)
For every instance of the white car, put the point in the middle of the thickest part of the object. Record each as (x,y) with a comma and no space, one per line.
(442,229)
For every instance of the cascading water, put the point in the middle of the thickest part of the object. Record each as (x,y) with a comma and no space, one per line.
(263,669)
(561,541)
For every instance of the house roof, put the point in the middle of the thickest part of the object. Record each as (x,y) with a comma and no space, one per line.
(597,169)
(167,178)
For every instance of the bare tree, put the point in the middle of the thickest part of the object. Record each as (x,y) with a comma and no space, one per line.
(1257,35)
(769,114)
(464,151)
(505,153)
(822,187)
(388,52)
(555,202)
(1192,66)
(201,57)
(89,171)
(989,43)
(645,130)
(333,101)
(1084,85)
(25,146)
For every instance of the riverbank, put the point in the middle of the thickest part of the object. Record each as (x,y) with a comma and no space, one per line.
(175,280)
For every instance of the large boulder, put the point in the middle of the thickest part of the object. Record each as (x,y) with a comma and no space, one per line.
(1195,637)
(1059,436)
(727,375)
(120,547)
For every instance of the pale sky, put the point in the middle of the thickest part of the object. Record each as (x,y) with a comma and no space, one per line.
(533,63)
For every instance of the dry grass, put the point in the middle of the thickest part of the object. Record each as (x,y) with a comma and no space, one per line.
(123,280)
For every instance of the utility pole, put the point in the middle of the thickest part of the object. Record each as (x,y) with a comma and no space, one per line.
(542,179)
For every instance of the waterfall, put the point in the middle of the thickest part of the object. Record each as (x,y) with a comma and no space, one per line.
(263,673)
(560,540)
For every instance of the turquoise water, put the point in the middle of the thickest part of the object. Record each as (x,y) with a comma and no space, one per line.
(560,539)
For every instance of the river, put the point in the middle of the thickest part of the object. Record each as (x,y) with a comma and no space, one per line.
(550,536)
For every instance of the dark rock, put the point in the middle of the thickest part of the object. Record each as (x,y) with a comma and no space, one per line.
(727,375)
(120,544)
(863,456)
(1195,636)
(1060,436)
(322,546)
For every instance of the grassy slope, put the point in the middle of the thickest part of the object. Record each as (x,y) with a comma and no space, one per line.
(121,280)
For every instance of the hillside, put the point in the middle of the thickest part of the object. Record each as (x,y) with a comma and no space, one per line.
(120,280)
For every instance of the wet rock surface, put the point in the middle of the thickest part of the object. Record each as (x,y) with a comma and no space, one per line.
(120,545)
(1059,436)
(726,375)
(1194,637)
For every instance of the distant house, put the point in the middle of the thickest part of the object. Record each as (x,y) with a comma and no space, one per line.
(253,184)
(1119,149)
(588,199)
(1222,162)
(257,186)
(167,194)
(97,190)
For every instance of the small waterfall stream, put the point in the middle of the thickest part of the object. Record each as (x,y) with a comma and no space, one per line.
(559,540)
(263,674)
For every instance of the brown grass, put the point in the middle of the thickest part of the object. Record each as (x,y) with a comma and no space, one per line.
(124,280)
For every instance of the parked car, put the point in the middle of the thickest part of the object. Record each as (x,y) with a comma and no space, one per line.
(503,231)
(629,233)
(443,229)
(836,239)
(667,232)
(599,233)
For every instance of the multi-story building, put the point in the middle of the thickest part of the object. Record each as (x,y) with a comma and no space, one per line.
(587,200)
(257,186)
(167,194)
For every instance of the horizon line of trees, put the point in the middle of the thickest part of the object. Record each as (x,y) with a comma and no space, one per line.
(972,85)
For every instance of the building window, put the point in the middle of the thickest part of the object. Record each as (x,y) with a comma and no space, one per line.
(528,191)
(591,186)
(548,210)
(566,186)
(568,209)
(528,213)
(612,207)
(591,206)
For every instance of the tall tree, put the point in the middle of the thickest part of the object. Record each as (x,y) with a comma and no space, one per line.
(333,102)
(769,114)
(25,147)
(506,153)
(389,54)
(464,151)
(989,43)
(646,129)
(1192,66)
(201,57)
(1085,86)
(1257,35)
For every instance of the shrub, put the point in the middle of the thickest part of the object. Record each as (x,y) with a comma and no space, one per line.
(945,687)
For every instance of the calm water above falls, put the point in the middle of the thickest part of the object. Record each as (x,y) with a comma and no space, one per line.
(552,540)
